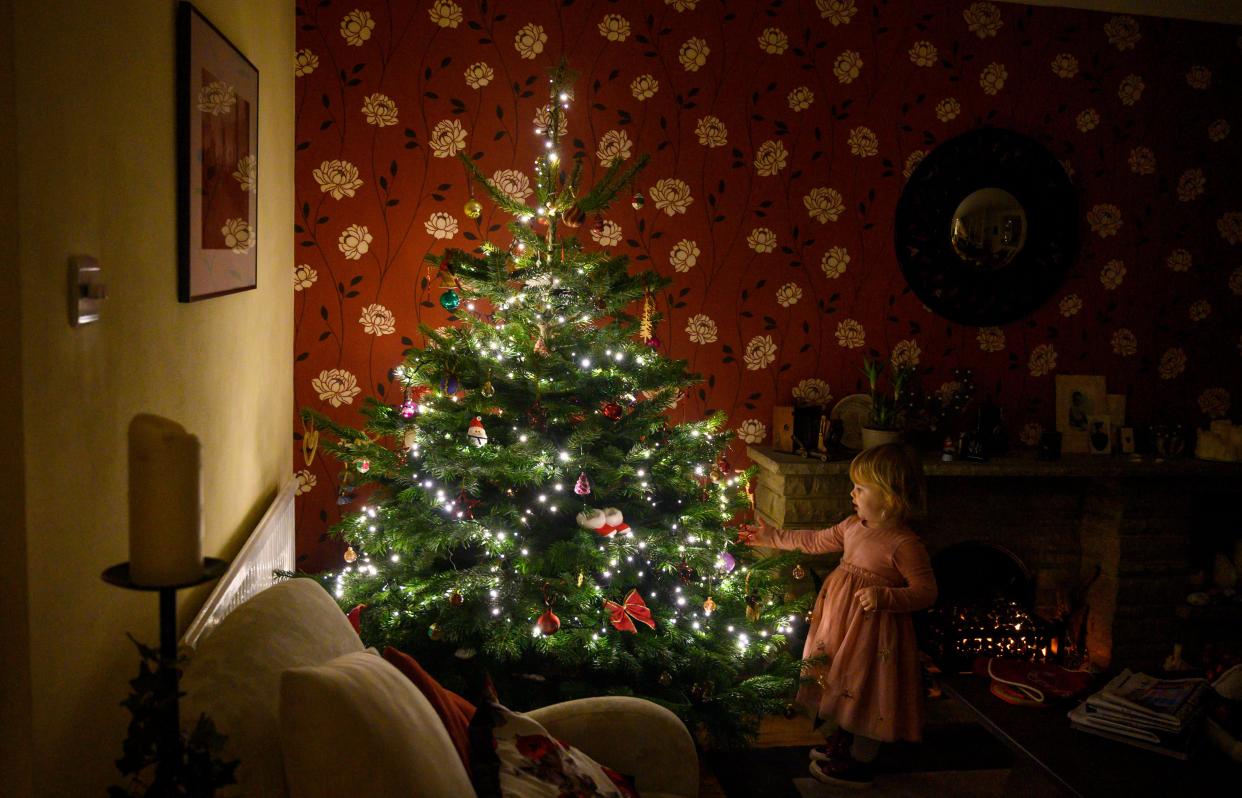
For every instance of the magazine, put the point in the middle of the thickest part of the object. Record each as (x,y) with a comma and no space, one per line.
(1170,703)
(1178,745)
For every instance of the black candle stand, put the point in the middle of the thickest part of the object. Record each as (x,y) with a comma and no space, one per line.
(169,748)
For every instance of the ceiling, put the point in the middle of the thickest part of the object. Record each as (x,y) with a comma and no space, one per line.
(1228,11)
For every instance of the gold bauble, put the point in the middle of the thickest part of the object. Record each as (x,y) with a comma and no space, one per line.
(473,209)
(350,554)
(487,389)
(709,606)
(799,572)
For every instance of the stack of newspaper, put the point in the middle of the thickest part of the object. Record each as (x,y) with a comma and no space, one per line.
(1162,715)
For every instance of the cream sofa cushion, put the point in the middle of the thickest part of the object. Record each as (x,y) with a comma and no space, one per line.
(234,674)
(357,727)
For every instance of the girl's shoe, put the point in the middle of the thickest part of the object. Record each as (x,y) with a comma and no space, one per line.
(835,749)
(852,774)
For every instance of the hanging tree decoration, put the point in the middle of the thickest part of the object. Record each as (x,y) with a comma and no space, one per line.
(633,608)
(450,300)
(475,433)
(473,208)
(583,486)
(709,606)
(548,623)
(350,555)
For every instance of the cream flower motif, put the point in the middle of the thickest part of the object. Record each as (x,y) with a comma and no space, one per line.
(671,195)
(354,242)
(304,277)
(1070,305)
(247,174)
(760,352)
(543,121)
(1215,402)
(906,354)
(336,387)
(441,225)
(1200,310)
(684,255)
(356,27)
(1131,89)
(834,262)
(863,142)
(923,54)
(1105,219)
(752,430)
(761,240)
(1230,226)
(614,28)
(1042,361)
(682,5)
(847,66)
(824,204)
(614,146)
(701,329)
(644,87)
(693,54)
(1199,77)
(512,183)
(812,391)
(217,98)
(447,138)
(1190,184)
(1112,274)
(1124,341)
(788,295)
(238,235)
(1179,260)
(1087,120)
(478,75)
(1235,281)
(380,110)
(529,40)
(1172,363)
(1142,161)
(991,339)
(1031,433)
(838,12)
(609,235)
(992,79)
(377,320)
(711,132)
(306,481)
(770,158)
(304,62)
(948,109)
(912,162)
(1218,130)
(850,334)
(801,98)
(338,178)
(1123,32)
(1065,65)
(773,41)
(984,19)
(445,13)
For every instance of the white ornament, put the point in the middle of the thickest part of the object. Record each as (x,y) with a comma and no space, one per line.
(476,433)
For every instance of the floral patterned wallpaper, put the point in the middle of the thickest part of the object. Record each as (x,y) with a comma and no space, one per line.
(781,134)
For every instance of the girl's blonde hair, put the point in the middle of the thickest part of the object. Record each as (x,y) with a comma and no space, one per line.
(897,474)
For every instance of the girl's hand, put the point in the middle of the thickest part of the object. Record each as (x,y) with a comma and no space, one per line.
(867,599)
(752,535)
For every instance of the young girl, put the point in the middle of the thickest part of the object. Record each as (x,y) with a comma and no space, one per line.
(869,684)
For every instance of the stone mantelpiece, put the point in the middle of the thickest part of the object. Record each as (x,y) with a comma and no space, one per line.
(1133,520)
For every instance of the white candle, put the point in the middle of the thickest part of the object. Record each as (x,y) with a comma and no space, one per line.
(165,503)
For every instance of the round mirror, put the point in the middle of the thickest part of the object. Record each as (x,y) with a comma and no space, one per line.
(988,229)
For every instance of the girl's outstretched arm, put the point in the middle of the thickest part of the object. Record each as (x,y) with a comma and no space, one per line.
(912,561)
(808,541)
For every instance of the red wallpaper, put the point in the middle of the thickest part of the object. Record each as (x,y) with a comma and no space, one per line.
(780,134)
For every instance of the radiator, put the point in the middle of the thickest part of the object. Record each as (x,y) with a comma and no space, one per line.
(270,548)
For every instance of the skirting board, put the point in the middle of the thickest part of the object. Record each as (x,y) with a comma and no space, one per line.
(270,548)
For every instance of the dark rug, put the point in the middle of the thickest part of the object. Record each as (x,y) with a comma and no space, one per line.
(769,772)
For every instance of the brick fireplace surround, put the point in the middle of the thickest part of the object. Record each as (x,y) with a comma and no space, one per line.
(1143,524)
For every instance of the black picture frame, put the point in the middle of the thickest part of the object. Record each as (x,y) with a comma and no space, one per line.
(217,162)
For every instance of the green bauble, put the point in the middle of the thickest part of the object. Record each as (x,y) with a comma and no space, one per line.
(449,300)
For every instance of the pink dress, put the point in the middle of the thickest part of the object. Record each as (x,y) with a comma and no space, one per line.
(870,682)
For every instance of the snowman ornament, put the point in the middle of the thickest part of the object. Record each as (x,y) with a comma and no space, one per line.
(475,432)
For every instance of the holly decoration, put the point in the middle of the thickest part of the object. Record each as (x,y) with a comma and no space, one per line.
(450,300)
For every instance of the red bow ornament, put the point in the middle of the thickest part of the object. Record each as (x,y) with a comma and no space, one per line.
(634,607)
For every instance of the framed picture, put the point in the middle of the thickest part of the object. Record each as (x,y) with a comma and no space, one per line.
(1079,397)
(217,162)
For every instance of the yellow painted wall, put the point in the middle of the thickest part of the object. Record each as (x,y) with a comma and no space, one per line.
(95,90)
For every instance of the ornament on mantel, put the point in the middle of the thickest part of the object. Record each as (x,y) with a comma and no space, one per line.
(799,572)
(350,555)
(583,486)
(450,300)
(473,208)
(475,432)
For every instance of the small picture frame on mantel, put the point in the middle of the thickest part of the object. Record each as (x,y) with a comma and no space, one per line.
(1079,397)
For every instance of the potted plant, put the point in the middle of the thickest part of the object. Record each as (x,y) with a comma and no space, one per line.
(885,422)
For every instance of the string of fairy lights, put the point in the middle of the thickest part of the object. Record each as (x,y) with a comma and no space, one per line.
(545,503)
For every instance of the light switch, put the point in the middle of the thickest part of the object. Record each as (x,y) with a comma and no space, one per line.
(87,290)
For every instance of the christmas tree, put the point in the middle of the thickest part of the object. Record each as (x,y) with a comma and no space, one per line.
(533,511)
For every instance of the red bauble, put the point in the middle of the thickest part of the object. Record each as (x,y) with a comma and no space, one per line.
(612,410)
(548,623)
